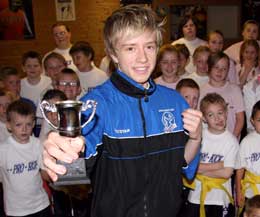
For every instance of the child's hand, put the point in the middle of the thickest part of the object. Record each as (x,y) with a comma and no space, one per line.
(61,148)
(192,122)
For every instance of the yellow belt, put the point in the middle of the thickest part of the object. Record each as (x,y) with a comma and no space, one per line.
(250,180)
(207,184)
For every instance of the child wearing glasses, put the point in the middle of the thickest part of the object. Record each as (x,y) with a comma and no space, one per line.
(68,82)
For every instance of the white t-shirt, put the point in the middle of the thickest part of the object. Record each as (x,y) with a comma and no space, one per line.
(22,183)
(34,92)
(91,79)
(215,148)
(160,81)
(232,95)
(200,80)
(4,134)
(249,157)
(251,91)
(191,45)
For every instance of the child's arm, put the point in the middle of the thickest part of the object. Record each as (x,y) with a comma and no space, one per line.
(240,120)
(204,167)
(240,198)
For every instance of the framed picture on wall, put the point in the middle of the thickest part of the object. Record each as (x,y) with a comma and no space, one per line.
(16,20)
(65,10)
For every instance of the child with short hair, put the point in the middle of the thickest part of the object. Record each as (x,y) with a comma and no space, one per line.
(190,90)
(68,82)
(248,162)
(252,208)
(89,75)
(5,99)
(167,64)
(21,164)
(212,195)
(215,44)
(218,68)
(34,84)
(200,61)
(184,59)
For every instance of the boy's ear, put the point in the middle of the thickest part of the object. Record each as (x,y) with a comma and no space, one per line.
(114,58)
(252,121)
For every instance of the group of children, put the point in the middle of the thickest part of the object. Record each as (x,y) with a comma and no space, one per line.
(213,81)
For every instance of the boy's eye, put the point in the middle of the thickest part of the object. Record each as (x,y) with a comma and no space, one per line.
(130,48)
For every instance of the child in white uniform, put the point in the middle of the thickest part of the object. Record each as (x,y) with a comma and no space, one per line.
(248,162)
(21,164)
(212,196)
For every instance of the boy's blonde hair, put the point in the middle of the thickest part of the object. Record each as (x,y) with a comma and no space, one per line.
(130,20)
(212,98)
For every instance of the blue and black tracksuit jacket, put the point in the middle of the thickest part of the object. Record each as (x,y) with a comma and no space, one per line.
(140,162)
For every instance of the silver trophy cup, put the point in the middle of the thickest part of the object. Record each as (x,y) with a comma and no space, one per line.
(69,125)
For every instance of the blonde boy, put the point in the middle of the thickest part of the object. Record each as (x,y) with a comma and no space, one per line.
(144,145)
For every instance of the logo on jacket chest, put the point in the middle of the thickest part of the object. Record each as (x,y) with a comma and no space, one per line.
(168,120)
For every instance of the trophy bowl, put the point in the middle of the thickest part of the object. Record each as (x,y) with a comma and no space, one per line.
(69,125)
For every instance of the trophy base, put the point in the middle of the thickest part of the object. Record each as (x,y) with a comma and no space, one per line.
(76,173)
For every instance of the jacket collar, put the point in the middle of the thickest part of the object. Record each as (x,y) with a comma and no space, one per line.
(129,87)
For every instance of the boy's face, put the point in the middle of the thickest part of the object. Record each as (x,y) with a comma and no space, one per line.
(191,95)
(54,67)
(215,42)
(215,116)
(21,127)
(169,63)
(32,68)
(201,62)
(189,30)
(250,32)
(256,121)
(136,55)
(254,213)
(4,103)
(13,84)
(68,84)
(81,61)
(249,54)
(219,71)
(61,37)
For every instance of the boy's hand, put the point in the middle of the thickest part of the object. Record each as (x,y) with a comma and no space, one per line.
(61,148)
(192,120)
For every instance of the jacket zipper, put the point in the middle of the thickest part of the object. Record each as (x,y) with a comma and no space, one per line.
(145,152)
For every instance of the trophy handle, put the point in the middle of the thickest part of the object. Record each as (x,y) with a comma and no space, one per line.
(49,107)
(88,105)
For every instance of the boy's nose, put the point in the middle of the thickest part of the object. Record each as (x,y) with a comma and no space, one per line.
(142,57)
